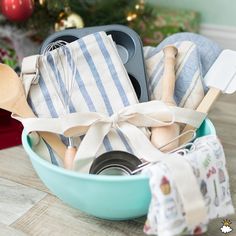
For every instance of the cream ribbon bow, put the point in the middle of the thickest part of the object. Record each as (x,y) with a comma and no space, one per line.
(129,120)
(95,126)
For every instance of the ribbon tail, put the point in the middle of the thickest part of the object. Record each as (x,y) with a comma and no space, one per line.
(188,188)
(188,116)
(92,139)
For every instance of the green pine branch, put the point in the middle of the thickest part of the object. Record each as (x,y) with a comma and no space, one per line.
(93,13)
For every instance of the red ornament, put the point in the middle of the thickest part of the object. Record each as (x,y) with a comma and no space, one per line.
(17,10)
(197,231)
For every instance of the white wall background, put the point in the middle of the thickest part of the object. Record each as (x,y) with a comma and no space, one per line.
(218,17)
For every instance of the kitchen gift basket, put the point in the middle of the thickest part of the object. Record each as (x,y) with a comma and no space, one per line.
(104,196)
(104,114)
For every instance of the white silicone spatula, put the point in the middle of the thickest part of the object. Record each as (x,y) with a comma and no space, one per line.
(221,78)
(12,98)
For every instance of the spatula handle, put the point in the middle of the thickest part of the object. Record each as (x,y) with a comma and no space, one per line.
(204,107)
(208,100)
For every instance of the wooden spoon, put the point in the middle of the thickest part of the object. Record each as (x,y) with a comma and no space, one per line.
(163,135)
(12,98)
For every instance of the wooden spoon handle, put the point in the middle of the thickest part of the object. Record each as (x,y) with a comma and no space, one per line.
(51,139)
(13,99)
(55,143)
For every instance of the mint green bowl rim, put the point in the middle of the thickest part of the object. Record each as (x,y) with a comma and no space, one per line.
(34,156)
(37,158)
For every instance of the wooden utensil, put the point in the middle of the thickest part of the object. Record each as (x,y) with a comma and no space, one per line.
(221,78)
(12,98)
(162,135)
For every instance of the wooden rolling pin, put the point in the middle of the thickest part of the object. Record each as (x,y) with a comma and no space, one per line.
(162,135)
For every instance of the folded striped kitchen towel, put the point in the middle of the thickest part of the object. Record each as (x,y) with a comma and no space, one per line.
(196,54)
(101,84)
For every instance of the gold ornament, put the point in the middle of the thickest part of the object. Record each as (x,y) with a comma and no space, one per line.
(137,6)
(68,20)
(42,2)
(138,9)
(131,16)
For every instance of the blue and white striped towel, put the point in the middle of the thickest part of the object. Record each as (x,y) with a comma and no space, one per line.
(101,84)
(196,54)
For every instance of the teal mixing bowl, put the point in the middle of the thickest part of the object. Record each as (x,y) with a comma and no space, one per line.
(107,197)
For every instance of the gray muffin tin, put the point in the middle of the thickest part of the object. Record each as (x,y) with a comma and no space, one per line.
(129,47)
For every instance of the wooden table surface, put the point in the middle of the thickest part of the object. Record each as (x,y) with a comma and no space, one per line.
(28,208)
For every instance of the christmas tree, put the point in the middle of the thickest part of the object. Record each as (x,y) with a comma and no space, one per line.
(48,15)
(39,18)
